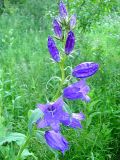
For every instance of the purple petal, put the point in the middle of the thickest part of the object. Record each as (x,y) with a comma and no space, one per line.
(55,126)
(59,104)
(79,116)
(56,141)
(72,21)
(53,49)
(77,90)
(70,42)
(75,123)
(65,118)
(62,10)
(42,107)
(57,28)
(41,123)
(85,69)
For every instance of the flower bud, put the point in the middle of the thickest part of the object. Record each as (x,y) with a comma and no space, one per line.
(53,49)
(70,42)
(85,69)
(62,10)
(72,21)
(57,29)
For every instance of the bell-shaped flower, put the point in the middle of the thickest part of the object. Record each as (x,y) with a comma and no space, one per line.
(62,10)
(56,141)
(85,70)
(53,49)
(72,21)
(57,28)
(70,42)
(75,120)
(77,90)
(53,115)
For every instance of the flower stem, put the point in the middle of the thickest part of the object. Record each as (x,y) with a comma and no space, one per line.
(22,148)
(61,64)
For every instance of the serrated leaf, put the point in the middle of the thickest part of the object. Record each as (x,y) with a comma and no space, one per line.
(19,138)
(34,116)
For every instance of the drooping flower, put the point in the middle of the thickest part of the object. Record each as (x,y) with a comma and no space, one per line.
(70,42)
(53,115)
(57,28)
(62,10)
(72,21)
(77,90)
(56,141)
(85,69)
(53,49)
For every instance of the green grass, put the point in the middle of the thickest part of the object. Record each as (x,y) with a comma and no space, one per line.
(25,68)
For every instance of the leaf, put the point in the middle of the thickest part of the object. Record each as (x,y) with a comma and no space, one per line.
(19,138)
(67,108)
(33,116)
(26,153)
(40,136)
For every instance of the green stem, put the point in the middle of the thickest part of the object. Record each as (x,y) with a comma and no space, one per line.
(22,148)
(61,64)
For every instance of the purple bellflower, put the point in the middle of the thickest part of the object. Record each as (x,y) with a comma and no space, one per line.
(77,90)
(70,42)
(54,115)
(85,69)
(56,141)
(53,49)
(62,10)
(57,29)
(72,21)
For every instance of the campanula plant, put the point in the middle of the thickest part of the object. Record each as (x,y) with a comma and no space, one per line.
(50,116)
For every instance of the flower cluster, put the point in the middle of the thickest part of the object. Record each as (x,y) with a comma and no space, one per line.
(54,113)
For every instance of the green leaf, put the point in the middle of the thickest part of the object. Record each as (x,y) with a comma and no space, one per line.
(26,153)
(34,115)
(13,137)
(40,136)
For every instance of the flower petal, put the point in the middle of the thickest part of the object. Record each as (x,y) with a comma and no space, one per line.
(75,123)
(42,123)
(55,126)
(59,104)
(42,107)
(65,118)
(78,116)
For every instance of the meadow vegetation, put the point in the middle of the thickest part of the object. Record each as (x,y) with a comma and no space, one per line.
(25,69)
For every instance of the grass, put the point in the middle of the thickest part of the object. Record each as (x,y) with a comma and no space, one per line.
(25,68)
